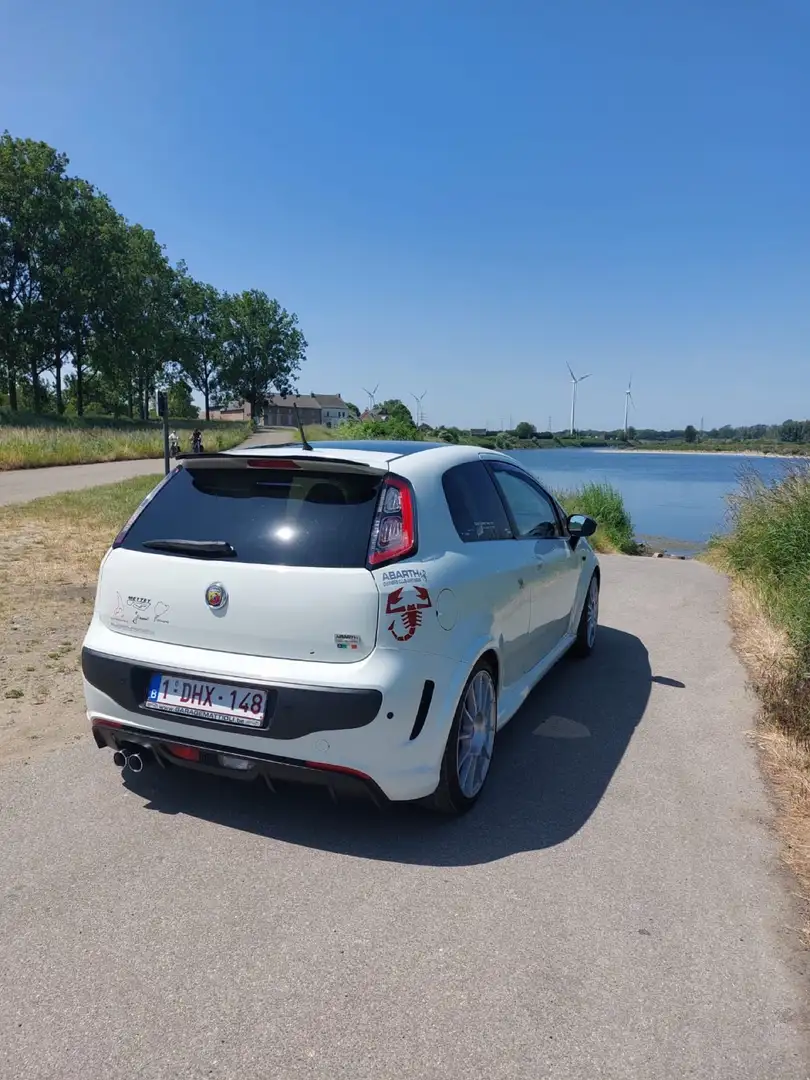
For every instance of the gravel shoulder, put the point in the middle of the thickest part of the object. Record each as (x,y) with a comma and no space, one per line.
(614,907)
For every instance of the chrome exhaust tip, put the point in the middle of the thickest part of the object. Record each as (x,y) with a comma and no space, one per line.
(135,763)
(120,759)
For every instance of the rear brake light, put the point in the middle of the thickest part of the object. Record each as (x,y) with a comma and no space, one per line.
(272,463)
(118,541)
(393,534)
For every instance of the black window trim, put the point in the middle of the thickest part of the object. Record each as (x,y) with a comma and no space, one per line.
(493,466)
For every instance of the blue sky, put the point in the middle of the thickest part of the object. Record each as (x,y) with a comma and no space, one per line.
(460,197)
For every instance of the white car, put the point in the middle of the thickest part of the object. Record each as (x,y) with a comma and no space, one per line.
(352,614)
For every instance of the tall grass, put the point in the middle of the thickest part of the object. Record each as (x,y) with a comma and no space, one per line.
(35,447)
(605,505)
(767,552)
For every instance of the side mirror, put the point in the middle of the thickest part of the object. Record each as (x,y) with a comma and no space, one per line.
(581,525)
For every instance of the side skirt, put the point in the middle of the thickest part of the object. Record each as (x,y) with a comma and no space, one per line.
(510,700)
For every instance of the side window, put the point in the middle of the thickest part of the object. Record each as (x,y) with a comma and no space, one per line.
(474,504)
(533,511)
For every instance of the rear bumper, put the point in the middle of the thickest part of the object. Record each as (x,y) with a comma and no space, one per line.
(385,719)
(267,767)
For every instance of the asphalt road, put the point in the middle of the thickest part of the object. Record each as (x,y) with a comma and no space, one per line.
(613,908)
(23,485)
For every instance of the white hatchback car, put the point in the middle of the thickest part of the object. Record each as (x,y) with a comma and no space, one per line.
(351,614)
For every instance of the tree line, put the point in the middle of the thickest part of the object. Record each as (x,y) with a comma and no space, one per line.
(94,319)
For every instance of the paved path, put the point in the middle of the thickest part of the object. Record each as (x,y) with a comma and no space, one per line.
(23,485)
(612,910)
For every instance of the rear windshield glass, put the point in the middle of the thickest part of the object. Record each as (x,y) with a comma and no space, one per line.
(279,516)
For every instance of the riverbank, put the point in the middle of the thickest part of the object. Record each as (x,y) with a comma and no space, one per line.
(696,453)
(766,556)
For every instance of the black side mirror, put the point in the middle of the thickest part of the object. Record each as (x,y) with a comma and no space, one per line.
(580,525)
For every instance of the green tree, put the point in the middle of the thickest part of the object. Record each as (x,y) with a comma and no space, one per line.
(525,430)
(353,410)
(690,433)
(181,403)
(140,331)
(263,348)
(32,176)
(504,441)
(199,351)
(397,410)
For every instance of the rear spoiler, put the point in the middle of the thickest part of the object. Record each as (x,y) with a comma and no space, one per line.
(302,459)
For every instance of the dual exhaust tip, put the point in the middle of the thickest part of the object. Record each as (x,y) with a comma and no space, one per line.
(133,762)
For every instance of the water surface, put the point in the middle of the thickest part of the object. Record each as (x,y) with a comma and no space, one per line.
(681,497)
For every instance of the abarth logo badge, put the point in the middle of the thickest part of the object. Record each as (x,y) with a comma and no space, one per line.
(216,596)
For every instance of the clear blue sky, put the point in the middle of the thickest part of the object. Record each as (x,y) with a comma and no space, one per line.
(459,197)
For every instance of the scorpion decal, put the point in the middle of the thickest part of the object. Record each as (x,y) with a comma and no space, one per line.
(411,613)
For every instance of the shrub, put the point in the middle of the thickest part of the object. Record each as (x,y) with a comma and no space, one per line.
(606,506)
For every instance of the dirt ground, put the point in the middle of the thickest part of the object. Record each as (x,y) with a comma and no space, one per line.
(47,580)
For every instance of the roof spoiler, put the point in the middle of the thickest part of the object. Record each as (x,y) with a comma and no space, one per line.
(300,459)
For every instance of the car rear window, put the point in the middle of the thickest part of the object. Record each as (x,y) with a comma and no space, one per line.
(287,517)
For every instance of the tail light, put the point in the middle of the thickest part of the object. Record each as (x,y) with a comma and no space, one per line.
(118,541)
(393,534)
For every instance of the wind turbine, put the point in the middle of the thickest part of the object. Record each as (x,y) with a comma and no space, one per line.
(574,383)
(419,413)
(371,394)
(628,401)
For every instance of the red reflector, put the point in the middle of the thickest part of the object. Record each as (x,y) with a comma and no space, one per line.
(188,753)
(272,463)
(336,768)
(99,721)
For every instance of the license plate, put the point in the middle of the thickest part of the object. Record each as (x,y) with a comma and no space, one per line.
(218,702)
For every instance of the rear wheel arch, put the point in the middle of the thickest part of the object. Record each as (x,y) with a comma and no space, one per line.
(490,658)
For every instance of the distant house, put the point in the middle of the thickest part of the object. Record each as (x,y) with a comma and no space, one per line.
(328,410)
(240,412)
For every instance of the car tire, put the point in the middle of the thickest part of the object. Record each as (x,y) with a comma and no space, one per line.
(588,622)
(474,726)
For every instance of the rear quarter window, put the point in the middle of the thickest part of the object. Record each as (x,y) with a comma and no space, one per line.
(274,516)
(475,506)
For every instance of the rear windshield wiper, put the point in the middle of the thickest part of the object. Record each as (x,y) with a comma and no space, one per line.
(210,549)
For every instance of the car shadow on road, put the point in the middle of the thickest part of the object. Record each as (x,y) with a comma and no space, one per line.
(552,766)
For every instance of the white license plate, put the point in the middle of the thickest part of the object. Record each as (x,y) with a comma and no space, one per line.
(219,702)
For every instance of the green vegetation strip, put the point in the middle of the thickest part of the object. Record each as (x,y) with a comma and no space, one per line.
(768,553)
(605,505)
(36,447)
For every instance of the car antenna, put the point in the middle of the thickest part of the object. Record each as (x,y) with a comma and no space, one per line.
(304,442)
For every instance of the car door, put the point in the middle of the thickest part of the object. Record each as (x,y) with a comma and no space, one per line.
(492,581)
(540,531)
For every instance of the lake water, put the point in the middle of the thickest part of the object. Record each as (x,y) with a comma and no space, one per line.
(678,497)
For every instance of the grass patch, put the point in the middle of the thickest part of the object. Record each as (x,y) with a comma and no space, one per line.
(767,552)
(605,505)
(767,555)
(37,447)
(96,513)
